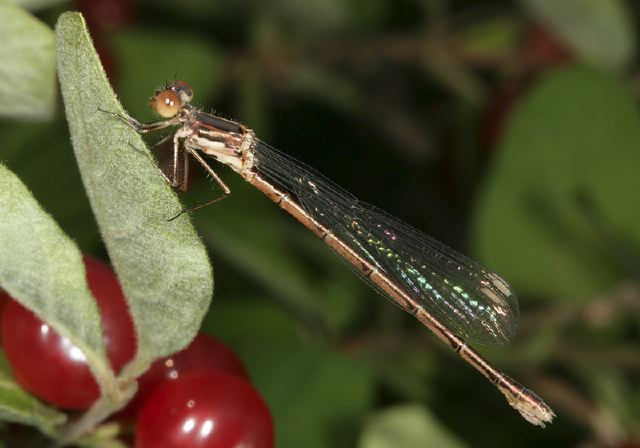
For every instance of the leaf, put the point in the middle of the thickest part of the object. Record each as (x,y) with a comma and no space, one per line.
(249,322)
(609,389)
(402,369)
(18,406)
(162,266)
(573,141)
(369,14)
(42,269)
(317,394)
(311,17)
(107,435)
(408,426)
(34,5)
(497,37)
(600,32)
(28,87)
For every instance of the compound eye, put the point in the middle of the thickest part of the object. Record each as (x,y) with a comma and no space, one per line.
(166,103)
(184,90)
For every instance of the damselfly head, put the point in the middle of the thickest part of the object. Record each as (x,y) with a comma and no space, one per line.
(167,102)
(183,89)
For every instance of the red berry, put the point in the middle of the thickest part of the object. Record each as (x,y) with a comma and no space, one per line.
(117,326)
(204,353)
(498,111)
(4,300)
(205,409)
(107,14)
(542,50)
(52,368)
(104,15)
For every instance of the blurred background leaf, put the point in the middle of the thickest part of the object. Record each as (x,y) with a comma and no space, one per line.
(28,88)
(406,426)
(602,33)
(560,184)
(34,5)
(18,406)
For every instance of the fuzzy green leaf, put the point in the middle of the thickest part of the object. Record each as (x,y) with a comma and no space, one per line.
(42,269)
(27,52)
(162,266)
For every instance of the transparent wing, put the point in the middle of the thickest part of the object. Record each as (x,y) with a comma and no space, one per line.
(471,301)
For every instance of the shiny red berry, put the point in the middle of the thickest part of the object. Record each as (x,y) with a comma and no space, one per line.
(204,353)
(205,409)
(49,365)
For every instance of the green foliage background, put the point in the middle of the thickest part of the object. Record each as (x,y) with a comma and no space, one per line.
(398,102)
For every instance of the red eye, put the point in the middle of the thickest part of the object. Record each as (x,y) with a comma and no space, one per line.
(166,103)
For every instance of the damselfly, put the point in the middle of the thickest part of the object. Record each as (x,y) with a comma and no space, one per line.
(448,293)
